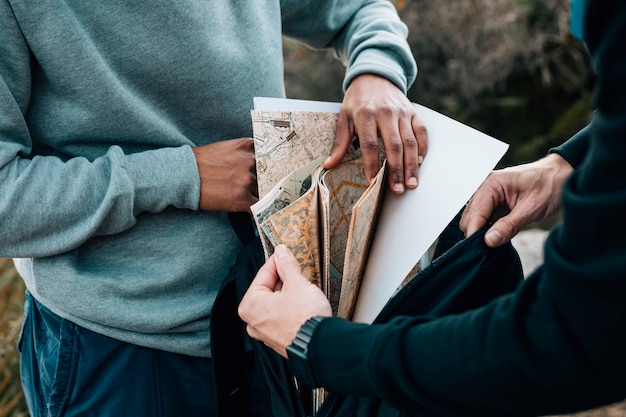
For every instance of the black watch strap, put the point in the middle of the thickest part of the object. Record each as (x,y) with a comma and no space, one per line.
(298,352)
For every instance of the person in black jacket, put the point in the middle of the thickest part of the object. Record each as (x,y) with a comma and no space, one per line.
(555,345)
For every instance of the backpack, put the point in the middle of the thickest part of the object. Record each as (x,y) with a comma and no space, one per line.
(252,380)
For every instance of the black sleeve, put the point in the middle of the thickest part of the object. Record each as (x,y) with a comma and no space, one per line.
(575,149)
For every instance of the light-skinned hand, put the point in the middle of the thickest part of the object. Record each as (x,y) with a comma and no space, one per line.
(513,197)
(279,300)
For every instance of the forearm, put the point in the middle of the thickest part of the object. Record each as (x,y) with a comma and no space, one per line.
(367,35)
(50,206)
(513,357)
(376,43)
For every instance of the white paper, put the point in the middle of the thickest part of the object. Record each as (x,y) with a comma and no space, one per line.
(459,159)
(288,104)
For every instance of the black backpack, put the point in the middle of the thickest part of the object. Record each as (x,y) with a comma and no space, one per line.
(254,381)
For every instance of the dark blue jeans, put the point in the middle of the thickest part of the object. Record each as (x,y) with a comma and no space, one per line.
(67,370)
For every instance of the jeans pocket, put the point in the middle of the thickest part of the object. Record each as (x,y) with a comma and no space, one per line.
(49,361)
(27,306)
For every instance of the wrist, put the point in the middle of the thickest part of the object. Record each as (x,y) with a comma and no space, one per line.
(559,162)
(559,166)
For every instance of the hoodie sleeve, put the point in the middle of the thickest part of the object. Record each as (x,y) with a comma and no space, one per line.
(366,35)
(575,148)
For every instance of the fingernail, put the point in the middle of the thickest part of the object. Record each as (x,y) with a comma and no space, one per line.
(398,187)
(420,159)
(412,182)
(494,237)
(281,252)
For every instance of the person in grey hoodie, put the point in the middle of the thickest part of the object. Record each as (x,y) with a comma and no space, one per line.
(124,144)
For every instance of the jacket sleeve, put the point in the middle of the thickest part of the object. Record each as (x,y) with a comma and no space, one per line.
(575,148)
(89,197)
(366,35)
(554,346)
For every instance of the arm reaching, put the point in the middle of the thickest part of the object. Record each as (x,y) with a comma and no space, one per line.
(369,37)
(516,196)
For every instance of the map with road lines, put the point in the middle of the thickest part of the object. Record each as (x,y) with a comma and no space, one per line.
(326,217)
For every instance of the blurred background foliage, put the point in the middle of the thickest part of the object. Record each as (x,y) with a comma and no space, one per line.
(11,306)
(509,68)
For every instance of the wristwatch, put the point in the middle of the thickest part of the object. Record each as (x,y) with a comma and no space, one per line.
(298,353)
